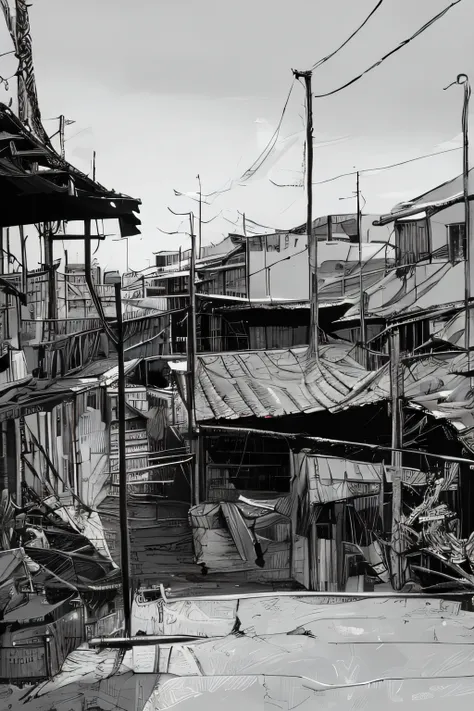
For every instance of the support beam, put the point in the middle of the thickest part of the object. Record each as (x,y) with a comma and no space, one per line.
(124,534)
(312,242)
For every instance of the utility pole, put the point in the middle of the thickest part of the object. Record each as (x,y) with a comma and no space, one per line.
(8,250)
(62,125)
(463,80)
(24,264)
(363,333)
(93,165)
(49,265)
(200,219)
(398,564)
(312,243)
(191,366)
(124,535)
(247,256)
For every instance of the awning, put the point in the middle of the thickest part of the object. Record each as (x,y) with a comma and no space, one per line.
(332,479)
(11,563)
(413,209)
(36,608)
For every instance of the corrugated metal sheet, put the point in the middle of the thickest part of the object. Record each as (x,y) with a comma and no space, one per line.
(435,383)
(453,331)
(277,383)
(442,196)
(333,479)
(425,287)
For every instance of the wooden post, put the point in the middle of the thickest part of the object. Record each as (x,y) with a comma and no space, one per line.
(124,534)
(62,124)
(8,250)
(312,243)
(247,256)
(464,80)
(199,253)
(191,367)
(398,563)
(24,261)
(363,333)
(49,264)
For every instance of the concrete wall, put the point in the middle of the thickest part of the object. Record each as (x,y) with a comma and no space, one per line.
(438,223)
(284,274)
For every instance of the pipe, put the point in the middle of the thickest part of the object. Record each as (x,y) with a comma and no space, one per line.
(141,640)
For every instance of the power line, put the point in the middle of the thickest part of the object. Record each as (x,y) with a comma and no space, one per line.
(271,143)
(389,54)
(329,56)
(370,170)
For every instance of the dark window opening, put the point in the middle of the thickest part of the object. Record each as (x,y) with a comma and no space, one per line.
(456,242)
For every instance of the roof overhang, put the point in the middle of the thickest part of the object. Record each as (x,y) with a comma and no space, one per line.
(414,210)
(39,186)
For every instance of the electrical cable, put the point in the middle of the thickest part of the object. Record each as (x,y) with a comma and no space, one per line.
(369,170)
(329,56)
(402,44)
(271,143)
(257,164)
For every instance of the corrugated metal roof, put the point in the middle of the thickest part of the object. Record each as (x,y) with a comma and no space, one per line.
(98,367)
(427,381)
(277,383)
(35,608)
(334,479)
(425,287)
(453,331)
(412,209)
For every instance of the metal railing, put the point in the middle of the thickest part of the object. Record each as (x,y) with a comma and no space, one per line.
(40,330)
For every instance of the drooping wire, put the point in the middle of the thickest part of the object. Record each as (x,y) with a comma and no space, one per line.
(271,143)
(368,170)
(402,44)
(257,164)
(331,55)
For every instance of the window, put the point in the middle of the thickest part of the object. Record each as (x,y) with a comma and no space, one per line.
(92,401)
(272,243)
(287,241)
(113,408)
(456,242)
(255,244)
(412,241)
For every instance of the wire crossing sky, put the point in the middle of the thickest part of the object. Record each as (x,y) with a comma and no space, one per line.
(187,99)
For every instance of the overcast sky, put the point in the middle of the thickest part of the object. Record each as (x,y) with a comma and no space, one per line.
(166,89)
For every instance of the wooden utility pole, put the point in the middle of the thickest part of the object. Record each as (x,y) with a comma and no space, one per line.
(62,125)
(312,243)
(8,250)
(247,256)
(191,367)
(363,332)
(398,564)
(464,80)
(124,534)
(199,253)
(49,265)
(24,260)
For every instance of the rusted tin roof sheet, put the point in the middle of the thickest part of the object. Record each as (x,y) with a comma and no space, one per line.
(426,287)
(276,383)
